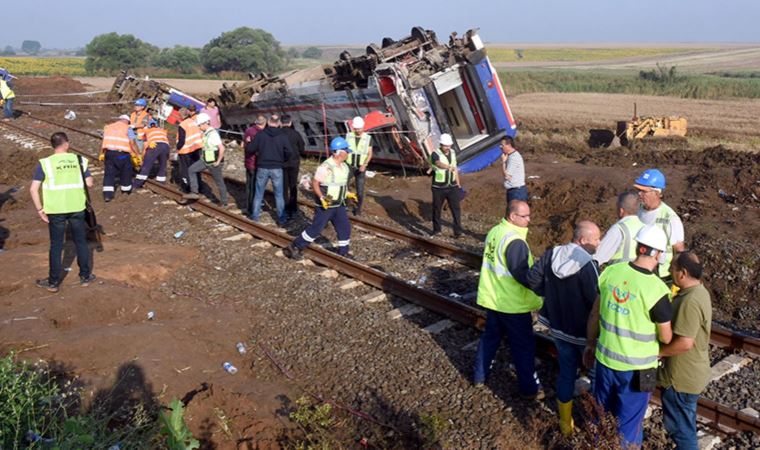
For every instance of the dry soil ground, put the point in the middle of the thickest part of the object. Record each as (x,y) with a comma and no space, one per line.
(208,295)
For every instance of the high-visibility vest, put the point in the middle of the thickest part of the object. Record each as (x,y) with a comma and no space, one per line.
(209,151)
(193,136)
(627,336)
(138,120)
(444,177)
(63,187)
(360,150)
(629,226)
(497,288)
(116,137)
(157,135)
(664,214)
(5,91)
(335,186)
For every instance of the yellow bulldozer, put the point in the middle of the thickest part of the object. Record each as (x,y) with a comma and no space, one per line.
(628,132)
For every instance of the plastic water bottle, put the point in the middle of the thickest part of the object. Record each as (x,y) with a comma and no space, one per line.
(179,234)
(151,315)
(232,370)
(240,348)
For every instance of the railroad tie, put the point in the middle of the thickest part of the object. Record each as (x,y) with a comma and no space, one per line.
(728,365)
(373,297)
(350,284)
(439,326)
(404,311)
(239,237)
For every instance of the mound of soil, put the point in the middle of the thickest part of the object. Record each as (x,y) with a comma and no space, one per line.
(47,85)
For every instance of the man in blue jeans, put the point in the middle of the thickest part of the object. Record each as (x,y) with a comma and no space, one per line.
(508,302)
(686,368)
(271,148)
(63,201)
(567,277)
(513,168)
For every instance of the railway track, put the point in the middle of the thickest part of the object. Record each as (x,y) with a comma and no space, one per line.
(715,414)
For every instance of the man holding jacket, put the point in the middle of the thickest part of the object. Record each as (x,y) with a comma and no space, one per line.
(567,277)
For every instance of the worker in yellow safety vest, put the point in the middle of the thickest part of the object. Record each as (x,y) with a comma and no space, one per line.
(503,292)
(654,211)
(8,97)
(63,177)
(360,143)
(446,186)
(619,243)
(628,321)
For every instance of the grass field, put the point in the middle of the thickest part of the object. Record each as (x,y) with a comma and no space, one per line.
(30,65)
(713,87)
(498,54)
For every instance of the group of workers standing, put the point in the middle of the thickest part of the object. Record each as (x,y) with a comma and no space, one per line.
(620,324)
(644,320)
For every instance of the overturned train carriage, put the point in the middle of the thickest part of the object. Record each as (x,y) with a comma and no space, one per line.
(409,92)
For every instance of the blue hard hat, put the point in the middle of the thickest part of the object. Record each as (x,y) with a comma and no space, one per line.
(152,123)
(141,102)
(651,178)
(339,143)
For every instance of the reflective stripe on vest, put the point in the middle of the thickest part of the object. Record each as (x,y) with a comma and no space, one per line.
(157,135)
(209,151)
(116,137)
(63,187)
(629,226)
(193,136)
(627,335)
(335,187)
(497,288)
(444,177)
(663,221)
(360,152)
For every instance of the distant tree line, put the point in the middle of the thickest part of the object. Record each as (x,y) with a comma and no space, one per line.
(243,49)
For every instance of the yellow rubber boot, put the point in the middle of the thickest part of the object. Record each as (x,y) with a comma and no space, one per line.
(566,424)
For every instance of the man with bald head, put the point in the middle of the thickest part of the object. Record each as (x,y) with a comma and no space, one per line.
(508,302)
(618,244)
(567,277)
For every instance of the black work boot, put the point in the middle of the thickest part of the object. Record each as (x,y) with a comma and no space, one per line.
(293,252)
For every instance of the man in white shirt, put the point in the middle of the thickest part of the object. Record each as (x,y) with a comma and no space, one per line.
(619,242)
(513,167)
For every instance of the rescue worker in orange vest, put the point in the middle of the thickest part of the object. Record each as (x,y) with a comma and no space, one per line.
(156,149)
(138,122)
(189,143)
(116,151)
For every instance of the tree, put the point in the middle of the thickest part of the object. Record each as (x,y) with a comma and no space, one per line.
(112,52)
(181,59)
(245,50)
(8,51)
(312,53)
(31,47)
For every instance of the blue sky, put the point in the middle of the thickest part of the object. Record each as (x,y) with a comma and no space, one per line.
(72,23)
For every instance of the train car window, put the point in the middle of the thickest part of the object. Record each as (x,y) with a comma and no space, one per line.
(341,127)
(309,134)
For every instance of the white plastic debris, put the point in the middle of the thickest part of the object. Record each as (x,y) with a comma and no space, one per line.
(70,115)
(370,173)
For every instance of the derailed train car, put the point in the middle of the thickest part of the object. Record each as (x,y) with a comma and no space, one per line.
(409,91)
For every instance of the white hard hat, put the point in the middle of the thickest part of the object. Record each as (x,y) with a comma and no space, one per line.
(124,117)
(357,123)
(652,236)
(446,140)
(202,118)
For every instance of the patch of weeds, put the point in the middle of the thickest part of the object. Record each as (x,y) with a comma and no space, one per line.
(318,422)
(431,428)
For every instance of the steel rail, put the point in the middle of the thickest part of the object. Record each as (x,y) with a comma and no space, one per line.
(715,414)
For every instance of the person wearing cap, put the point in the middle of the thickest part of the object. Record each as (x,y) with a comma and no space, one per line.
(619,243)
(330,186)
(116,151)
(360,144)
(513,168)
(138,122)
(156,149)
(189,143)
(631,314)
(446,186)
(654,211)
(212,159)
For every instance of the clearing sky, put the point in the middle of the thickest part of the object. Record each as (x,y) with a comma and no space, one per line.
(73,23)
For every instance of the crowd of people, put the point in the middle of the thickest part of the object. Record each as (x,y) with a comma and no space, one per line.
(628,307)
